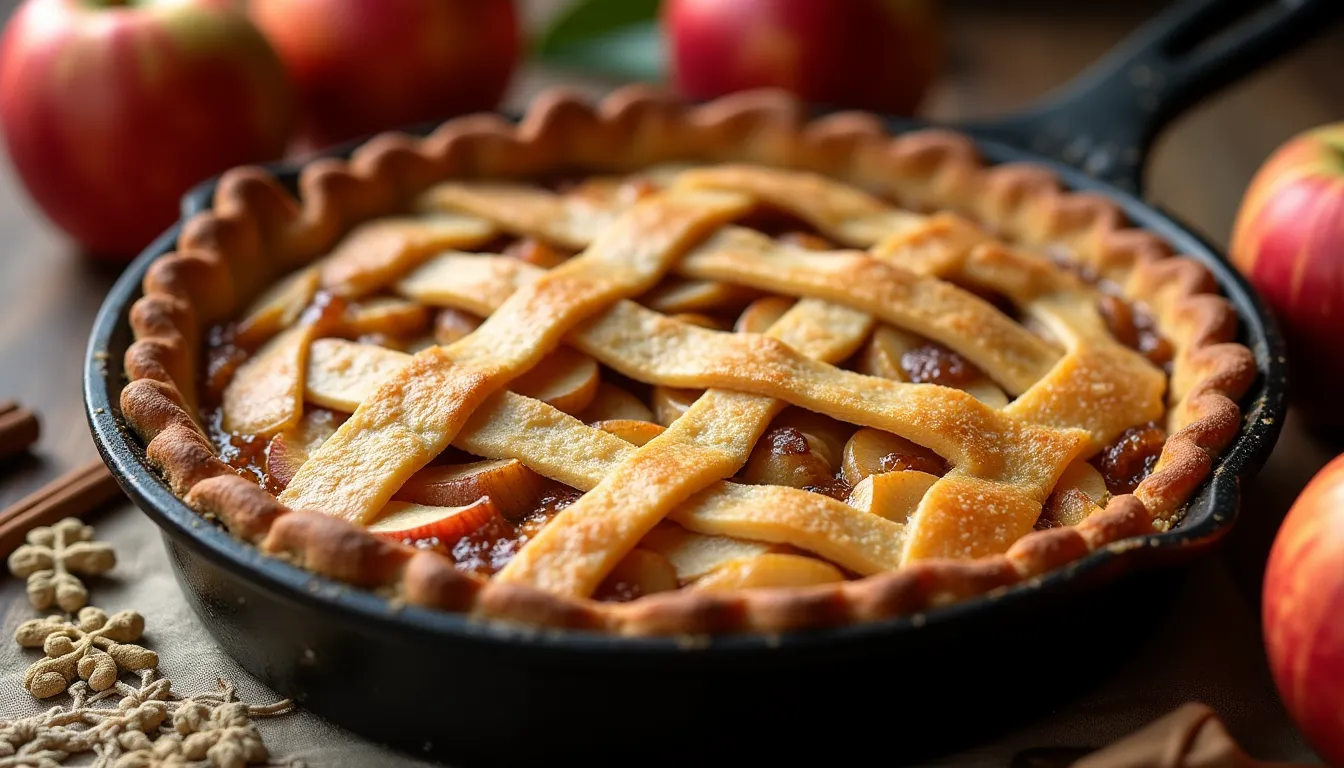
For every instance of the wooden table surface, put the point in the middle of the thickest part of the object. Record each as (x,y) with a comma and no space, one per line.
(1002,56)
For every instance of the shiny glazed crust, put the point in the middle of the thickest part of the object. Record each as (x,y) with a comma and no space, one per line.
(256,231)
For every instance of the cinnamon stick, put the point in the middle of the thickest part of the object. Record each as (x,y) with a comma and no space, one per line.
(18,429)
(74,494)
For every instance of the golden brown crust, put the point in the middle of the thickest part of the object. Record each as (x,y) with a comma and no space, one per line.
(330,547)
(243,506)
(256,231)
(184,457)
(430,579)
(156,405)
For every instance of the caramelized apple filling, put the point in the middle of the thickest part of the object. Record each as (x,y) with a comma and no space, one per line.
(490,547)
(933,363)
(1127,461)
(1132,326)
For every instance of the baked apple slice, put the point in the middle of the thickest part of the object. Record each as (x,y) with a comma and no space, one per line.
(390,316)
(406,522)
(872,451)
(693,555)
(768,570)
(289,449)
(612,403)
(675,295)
(763,313)
(642,572)
(631,431)
(892,495)
(451,325)
(825,435)
(537,252)
(669,403)
(276,309)
(700,320)
(1080,491)
(513,488)
(564,379)
(785,456)
(886,356)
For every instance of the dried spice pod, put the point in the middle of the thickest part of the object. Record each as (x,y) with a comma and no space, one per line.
(53,560)
(95,648)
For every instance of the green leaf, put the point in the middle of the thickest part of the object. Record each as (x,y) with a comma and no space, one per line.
(620,38)
(587,19)
(632,53)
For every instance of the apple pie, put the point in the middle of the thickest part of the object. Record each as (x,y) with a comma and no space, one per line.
(646,368)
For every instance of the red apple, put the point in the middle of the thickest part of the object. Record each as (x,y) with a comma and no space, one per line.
(111,110)
(879,55)
(1289,242)
(363,66)
(1304,611)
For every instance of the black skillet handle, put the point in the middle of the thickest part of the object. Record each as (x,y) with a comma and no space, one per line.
(1105,119)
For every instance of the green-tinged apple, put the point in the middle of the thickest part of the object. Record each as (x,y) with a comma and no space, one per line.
(1289,242)
(362,66)
(112,109)
(1303,611)
(880,55)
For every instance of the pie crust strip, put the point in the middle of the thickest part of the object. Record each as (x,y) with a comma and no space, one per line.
(623,338)
(373,254)
(1012,356)
(711,441)
(413,416)
(565,449)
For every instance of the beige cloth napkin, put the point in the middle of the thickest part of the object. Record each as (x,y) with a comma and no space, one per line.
(1208,652)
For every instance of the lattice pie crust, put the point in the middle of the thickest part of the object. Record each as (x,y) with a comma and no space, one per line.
(919,228)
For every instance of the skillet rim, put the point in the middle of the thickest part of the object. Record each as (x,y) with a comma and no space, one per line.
(1212,514)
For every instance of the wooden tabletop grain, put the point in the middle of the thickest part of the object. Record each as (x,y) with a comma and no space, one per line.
(1002,56)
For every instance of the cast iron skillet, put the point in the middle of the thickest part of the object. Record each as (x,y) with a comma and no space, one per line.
(435,684)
